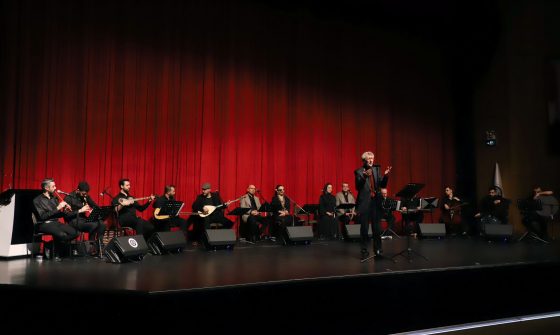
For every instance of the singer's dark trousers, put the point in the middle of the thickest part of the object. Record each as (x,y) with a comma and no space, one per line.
(368,213)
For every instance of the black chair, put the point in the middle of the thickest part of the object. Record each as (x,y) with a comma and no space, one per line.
(38,237)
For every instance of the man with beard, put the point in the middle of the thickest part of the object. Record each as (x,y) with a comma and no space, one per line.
(165,222)
(126,207)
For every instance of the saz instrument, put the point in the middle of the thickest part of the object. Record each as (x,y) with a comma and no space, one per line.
(209,209)
(165,217)
(130,200)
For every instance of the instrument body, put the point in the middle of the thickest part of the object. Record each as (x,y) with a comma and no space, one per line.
(453,214)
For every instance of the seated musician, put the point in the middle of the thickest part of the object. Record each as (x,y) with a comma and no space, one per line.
(126,207)
(280,205)
(78,199)
(345,197)
(493,209)
(328,227)
(211,208)
(48,209)
(451,213)
(165,222)
(532,220)
(411,215)
(384,206)
(253,225)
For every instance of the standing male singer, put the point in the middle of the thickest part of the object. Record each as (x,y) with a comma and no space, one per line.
(368,182)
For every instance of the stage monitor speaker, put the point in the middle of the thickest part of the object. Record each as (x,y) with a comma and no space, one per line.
(432,229)
(298,235)
(125,249)
(219,239)
(352,232)
(498,230)
(167,242)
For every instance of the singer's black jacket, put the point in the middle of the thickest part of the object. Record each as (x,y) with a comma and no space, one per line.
(362,185)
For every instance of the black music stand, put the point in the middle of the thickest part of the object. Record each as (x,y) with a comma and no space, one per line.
(307,210)
(240,211)
(171,208)
(345,206)
(408,192)
(99,213)
(526,206)
(428,205)
(392,207)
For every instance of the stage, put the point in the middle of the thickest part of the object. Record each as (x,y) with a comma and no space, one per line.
(303,288)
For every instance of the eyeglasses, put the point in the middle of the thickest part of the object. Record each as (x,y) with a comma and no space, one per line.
(280,189)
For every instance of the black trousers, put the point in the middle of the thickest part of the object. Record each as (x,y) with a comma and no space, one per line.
(141,226)
(280,223)
(165,225)
(95,229)
(61,233)
(365,216)
(254,227)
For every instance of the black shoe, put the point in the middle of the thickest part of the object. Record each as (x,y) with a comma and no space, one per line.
(364,253)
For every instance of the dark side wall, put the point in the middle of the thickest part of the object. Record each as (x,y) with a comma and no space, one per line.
(513,99)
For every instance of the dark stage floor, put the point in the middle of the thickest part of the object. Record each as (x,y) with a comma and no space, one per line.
(321,286)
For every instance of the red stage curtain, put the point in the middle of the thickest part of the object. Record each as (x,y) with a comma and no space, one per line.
(214,92)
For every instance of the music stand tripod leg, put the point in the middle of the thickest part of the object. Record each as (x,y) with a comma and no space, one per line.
(409,251)
(390,231)
(523,236)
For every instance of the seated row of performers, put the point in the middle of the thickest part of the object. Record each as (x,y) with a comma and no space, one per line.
(49,208)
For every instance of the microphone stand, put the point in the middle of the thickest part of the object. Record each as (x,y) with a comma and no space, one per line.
(295,207)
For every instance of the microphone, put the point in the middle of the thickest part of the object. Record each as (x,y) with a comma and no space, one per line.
(61,191)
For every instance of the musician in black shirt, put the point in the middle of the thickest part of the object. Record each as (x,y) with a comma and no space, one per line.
(78,199)
(494,205)
(280,206)
(48,210)
(451,213)
(126,208)
(216,207)
(532,220)
(165,222)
